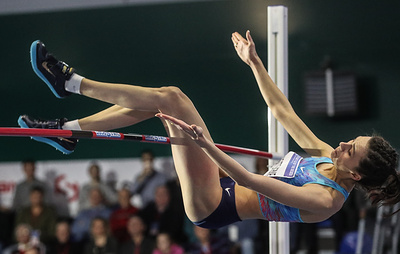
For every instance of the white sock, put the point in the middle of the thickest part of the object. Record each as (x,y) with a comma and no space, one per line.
(71,125)
(74,84)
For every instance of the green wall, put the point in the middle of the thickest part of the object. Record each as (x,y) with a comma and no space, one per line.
(188,45)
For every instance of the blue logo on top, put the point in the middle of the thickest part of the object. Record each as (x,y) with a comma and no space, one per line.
(105,134)
(158,139)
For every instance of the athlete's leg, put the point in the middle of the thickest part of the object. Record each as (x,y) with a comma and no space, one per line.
(198,175)
(117,117)
(114,117)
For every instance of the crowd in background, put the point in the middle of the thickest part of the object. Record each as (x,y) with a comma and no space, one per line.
(107,222)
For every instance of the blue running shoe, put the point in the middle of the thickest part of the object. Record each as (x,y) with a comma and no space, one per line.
(53,72)
(65,145)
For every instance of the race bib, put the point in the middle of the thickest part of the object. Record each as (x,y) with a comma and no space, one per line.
(287,167)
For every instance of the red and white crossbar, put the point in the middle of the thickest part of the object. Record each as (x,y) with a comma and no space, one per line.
(50,133)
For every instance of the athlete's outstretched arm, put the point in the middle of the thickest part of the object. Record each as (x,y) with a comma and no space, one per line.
(311,197)
(276,100)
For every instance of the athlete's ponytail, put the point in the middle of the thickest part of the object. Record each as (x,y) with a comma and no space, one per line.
(378,170)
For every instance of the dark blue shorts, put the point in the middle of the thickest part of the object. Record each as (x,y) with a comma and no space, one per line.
(226,212)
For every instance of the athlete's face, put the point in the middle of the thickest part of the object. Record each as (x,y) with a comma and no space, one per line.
(347,155)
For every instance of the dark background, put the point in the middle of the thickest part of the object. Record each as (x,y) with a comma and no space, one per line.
(188,45)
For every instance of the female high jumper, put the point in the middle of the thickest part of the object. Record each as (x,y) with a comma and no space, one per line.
(297,190)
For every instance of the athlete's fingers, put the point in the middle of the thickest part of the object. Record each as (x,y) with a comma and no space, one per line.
(181,125)
(240,38)
(249,38)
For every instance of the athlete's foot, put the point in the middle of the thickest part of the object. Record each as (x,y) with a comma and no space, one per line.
(65,145)
(53,72)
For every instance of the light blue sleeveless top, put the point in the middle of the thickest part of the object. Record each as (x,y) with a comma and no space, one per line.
(306,173)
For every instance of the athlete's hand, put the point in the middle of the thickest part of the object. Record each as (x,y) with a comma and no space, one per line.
(194,131)
(245,48)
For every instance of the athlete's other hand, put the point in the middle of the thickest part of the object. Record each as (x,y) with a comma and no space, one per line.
(245,48)
(194,131)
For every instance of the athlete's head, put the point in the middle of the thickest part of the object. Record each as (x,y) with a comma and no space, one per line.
(347,155)
(372,162)
(378,172)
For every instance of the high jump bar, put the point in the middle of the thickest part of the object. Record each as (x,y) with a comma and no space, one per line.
(78,134)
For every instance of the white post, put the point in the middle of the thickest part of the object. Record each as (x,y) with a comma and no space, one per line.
(277,136)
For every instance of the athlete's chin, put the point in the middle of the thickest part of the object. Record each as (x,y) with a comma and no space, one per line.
(334,160)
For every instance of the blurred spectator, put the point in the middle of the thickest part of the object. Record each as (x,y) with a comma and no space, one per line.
(24,187)
(110,197)
(38,215)
(161,216)
(209,242)
(175,191)
(121,215)
(145,184)
(25,242)
(59,191)
(81,224)
(100,241)
(62,243)
(139,242)
(165,245)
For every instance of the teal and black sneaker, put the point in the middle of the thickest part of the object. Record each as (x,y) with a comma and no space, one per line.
(53,72)
(65,145)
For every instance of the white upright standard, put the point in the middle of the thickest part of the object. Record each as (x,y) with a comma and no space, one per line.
(277,135)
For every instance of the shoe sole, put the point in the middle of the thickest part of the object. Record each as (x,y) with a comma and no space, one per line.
(48,141)
(33,54)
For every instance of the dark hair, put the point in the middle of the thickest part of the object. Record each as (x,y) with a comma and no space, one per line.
(147,151)
(28,160)
(378,170)
(94,164)
(37,188)
(102,220)
(64,219)
(138,215)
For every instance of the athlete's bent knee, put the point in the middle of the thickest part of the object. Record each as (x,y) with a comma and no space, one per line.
(172,97)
